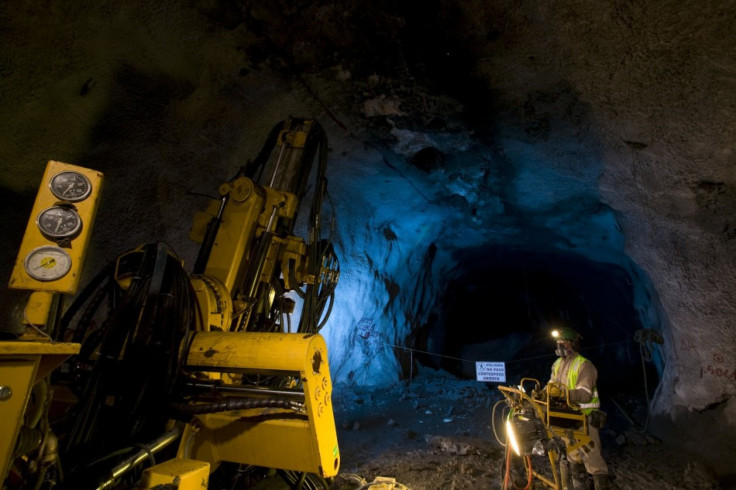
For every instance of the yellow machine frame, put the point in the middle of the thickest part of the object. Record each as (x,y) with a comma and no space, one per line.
(227,292)
(22,365)
(26,361)
(552,415)
(273,437)
(250,246)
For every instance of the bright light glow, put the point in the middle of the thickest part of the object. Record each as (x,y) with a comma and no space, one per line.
(511,437)
(555,333)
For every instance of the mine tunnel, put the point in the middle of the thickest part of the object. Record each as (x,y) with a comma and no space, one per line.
(495,170)
(502,303)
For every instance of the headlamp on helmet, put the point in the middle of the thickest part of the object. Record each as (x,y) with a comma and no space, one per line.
(570,338)
(565,333)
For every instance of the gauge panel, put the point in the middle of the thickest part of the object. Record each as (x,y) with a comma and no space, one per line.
(62,218)
(70,186)
(59,222)
(47,263)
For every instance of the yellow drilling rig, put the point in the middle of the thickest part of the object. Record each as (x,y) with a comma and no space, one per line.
(156,376)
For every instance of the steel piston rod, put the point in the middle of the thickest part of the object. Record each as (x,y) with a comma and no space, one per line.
(146,453)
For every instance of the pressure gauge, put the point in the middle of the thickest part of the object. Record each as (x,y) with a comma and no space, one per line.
(59,222)
(70,186)
(47,263)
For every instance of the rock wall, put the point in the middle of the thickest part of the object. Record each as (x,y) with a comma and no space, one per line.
(523,105)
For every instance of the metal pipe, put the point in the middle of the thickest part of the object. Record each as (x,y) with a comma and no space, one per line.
(245,390)
(148,450)
(278,164)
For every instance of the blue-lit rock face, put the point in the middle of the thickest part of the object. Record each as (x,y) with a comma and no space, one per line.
(477,259)
(495,169)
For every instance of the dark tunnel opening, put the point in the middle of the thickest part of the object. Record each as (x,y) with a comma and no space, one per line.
(502,304)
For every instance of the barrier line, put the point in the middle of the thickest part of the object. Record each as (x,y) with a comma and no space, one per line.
(507,362)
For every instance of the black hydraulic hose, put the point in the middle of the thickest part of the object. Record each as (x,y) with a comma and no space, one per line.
(311,310)
(326,316)
(326,292)
(260,162)
(236,404)
(316,143)
(165,319)
(82,298)
(209,240)
(111,341)
(293,279)
(321,181)
(142,336)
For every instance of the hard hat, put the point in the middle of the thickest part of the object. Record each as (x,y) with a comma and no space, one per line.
(565,333)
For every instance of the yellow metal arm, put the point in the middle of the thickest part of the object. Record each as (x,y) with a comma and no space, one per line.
(271,437)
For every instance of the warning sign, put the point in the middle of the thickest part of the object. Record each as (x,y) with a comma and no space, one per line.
(490,372)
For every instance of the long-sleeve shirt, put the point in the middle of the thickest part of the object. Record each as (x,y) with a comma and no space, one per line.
(587,378)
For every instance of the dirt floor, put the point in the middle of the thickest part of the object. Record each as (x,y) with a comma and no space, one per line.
(436,433)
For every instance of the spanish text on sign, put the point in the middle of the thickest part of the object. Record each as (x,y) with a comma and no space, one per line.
(490,372)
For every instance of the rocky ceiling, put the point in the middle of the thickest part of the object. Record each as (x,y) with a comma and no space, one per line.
(585,147)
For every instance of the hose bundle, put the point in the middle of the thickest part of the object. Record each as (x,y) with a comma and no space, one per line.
(126,372)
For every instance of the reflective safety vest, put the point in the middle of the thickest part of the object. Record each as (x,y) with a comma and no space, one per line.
(572,380)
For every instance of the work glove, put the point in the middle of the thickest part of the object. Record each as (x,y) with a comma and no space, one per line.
(556,391)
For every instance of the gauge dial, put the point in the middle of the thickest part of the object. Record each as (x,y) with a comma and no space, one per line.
(59,222)
(70,186)
(47,263)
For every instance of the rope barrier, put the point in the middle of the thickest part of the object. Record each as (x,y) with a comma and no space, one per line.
(412,351)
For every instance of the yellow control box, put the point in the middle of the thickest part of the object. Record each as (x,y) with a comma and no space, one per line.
(59,229)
